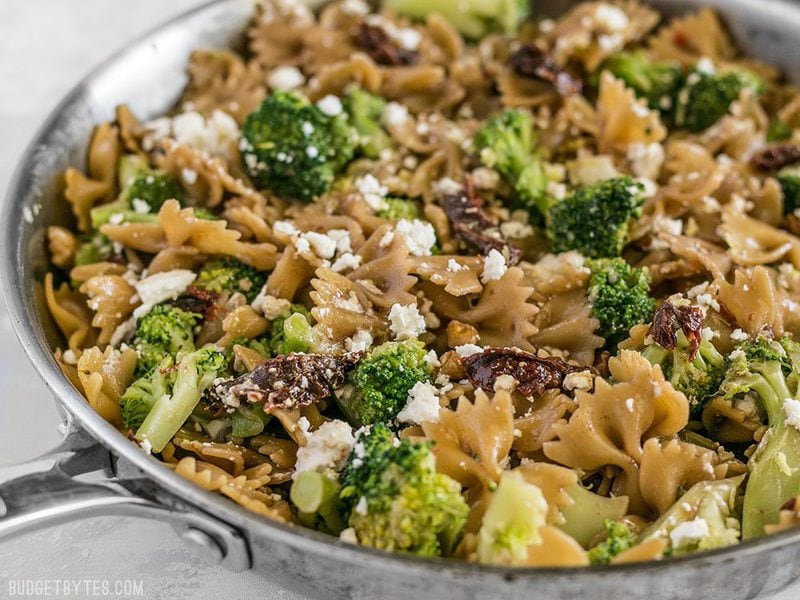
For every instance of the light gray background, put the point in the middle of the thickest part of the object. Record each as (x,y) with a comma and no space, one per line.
(45,47)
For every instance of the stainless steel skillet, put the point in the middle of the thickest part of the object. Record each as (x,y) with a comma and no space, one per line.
(97,471)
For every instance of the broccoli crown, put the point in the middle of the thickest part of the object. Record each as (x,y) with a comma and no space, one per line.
(193,372)
(406,506)
(778,131)
(619,296)
(765,369)
(473,18)
(94,248)
(231,275)
(594,219)
(512,521)
(619,538)
(154,189)
(365,110)
(291,332)
(699,378)
(651,80)
(293,148)
(790,187)
(164,331)
(381,382)
(316,497)
(706,96)
(399,208)
(142,394)
(507,143)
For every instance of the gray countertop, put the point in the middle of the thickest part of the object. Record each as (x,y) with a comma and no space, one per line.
(46,46)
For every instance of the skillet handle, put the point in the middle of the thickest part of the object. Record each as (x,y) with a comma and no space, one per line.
(76,481)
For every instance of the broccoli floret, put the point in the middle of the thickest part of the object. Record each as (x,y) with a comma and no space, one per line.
(154,189)
(473,18)
(379,385)
(711,504)
(619,296)
(619,537)
(507,143)
(316,496)
(164,331)
(142,394)
(594,219)
(399,208)
(365,110)
(195,371)
(778,131)
(706,96)
(94,248)
(407,506)
(293,148)
(699,378)
(654,81)
(291,332)
(768,372)
(790,188)
(231,275)
(511,522)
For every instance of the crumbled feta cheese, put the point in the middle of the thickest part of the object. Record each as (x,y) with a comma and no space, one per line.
(446,186)
(216,135)
(270,306)
(361,341)
(629,404)
(116,218)
(357,8)
(791,409)
(405,37)
(372,191)
(506,383)
(189,176)
(394,115)
(146,446)
(330,105)
(285,78)
(326,448)
(432,360)
(140,206)
(322,245)
(349,536)
(557,189)
(418,235)
(705,65)
(494,266)
(285,228)
(454,266)
(465,350)
(361,506)
(405,321)
(160,287)
(690,531)
(124,331)
(422,405)
(737,335)
(610,18)
(345,262)
(516,229)
(708,334)
(646,159)
(69,357)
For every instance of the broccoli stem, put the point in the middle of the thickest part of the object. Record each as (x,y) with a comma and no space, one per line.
(316,494)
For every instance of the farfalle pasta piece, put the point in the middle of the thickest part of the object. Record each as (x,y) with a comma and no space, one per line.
(610,424)
(84,191)
(104,375)
(69,311)
(753,300)
(359,69)
(384,274)
(276,35)
(624,119)
(752,242)
(565,323)
(458,275)
(689,38)
(471,444)
(112,299)
(536,419)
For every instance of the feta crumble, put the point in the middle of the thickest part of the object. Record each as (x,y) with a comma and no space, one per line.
(330,105)
(418,235)
(423,404)
(646,159)
(326,448)
(791,409)
(446,186)
(737,335)
(465,350)
(394,115)
(160,287)
(360,342)
(406,322)
(494,266)
(285,78)
(372,191)
(688,532)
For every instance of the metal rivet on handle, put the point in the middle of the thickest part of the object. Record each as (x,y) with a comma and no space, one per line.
(205,546)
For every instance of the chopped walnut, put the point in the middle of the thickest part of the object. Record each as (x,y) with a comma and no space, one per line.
(459,333)
(452,365)
(286,381)
(533,373)
(62,245)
